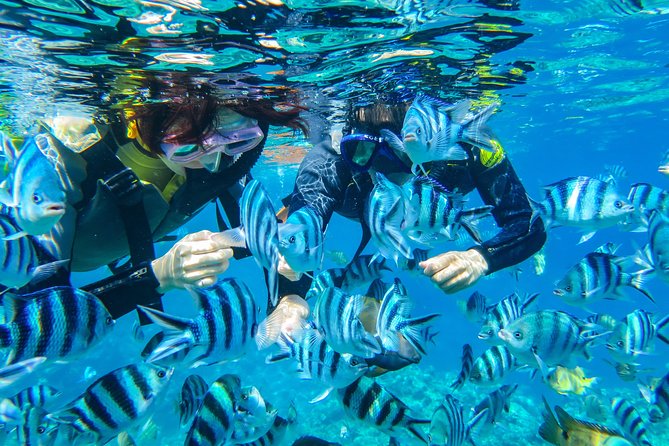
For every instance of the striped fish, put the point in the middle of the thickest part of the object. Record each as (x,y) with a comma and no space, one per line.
(658,398)
(413,264)
(36,396)
(261,232)
(646,198)
(57,323)
(223,329)
(547,337)
(278,432)
(254,417)
(434,214)
(377,289)
(336,315)
(502,314)
(317,360)
(192,394)
(368,401)
(11,373)
(324,280)
(448,425)
(598,276)
(433,129)
(630,421)
(116,401)
(301,240)
(583,202)
(493,366)
(467,363)
(496,402)
(363,270)
(394,318)
(635,334)
(654,257)
(384,216)
(475,308)
(37,429)
(18,259)
(214,422)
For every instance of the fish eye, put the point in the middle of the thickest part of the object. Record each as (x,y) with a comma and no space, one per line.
(161,374)
(354,362)
(418,131)
(109,320)
(620,343)
(37,199)
(568,288)
(292,239)
(518,335)
(618,204)
(41,430)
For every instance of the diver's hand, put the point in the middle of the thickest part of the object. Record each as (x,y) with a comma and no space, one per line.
(455,270)
(194,260)
(286,271)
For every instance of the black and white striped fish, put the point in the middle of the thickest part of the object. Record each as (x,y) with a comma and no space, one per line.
(467,363)
(254,416)
(57,323)
(646,198)
(385,216)
(301,240)
(547,338)
(598,276)
(325,279)
(36,396)
(448,425)
(434,214)
(278,432)
(223,329)
(214,422)
(317,360)
(336,315)
(362,270)
(501,314)
(116,401)
(583,202)
(192,394)
(493,366)
(496,402)
(475,308)
(635,335)
(18,258)
(377,289)
(630,421)
(368,401)
(395,318)
(658,399)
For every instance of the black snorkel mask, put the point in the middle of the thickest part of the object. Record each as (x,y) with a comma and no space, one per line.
(360,151)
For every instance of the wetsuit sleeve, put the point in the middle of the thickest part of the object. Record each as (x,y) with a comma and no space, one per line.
(321,182)
(500,187)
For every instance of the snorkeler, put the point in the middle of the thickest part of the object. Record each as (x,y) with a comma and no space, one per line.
(145,175)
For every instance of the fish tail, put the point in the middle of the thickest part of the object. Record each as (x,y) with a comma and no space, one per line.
(411,427)
(550,429)
(659,326)
(637,280)
(644,259)
(469,218)
(165,320)
(538,210)
(168,348)
(477,132)
(413,332)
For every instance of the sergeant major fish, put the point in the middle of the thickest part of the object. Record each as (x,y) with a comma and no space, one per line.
(448,425)
(630,421)
(432,131)
(224,327)
(56,323)
(301,240)
(635,334)
(214,422)
(278,432)
(33,190)
(583,202)
(474,308)
(501,314)
(362,270)
(492,366)
(115,401)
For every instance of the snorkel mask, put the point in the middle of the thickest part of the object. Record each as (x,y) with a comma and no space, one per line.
(359,151)
(236,134)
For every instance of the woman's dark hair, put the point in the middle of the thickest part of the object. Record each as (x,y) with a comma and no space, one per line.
(200,112)
(371,119)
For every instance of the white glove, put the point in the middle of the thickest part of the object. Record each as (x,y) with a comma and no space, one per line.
(194,260)
(455,270)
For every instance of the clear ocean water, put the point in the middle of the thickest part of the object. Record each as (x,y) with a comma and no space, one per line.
(583,88)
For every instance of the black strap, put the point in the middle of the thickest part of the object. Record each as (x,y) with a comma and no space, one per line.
(109,172)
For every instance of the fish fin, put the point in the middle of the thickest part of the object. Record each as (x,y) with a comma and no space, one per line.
(15,236)
(458,112)
(585,237)
(570,423)
(13,304)
(469,218)
(169,347)
(646,393)
(234,238)
(393,140)
(413,332)
(276,357)
(550,430)
(411,427)
(165,320)
(467,361)
(321,396)
(476,419)
(637,280)
(269,329)
(6,198)
(43,272)
(542,367)
(477,132)
(528,301)
(13,372)
(538,210)
(659,326)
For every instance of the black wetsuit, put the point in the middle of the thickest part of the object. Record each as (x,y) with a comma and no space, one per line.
(326,183)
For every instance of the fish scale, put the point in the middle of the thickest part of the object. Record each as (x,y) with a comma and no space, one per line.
(57,322)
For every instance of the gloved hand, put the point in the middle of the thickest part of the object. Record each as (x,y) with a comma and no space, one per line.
(455,270)
(286,271)
(194,260)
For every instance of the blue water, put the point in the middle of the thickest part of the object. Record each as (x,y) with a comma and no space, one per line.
(582,85)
